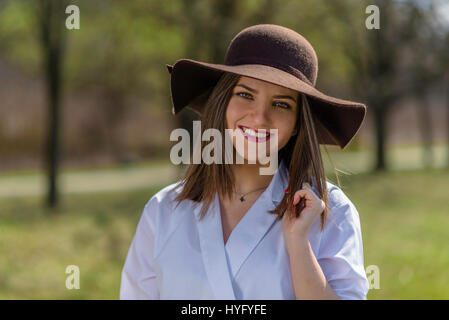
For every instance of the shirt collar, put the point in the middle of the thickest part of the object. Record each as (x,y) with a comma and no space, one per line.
(278,184)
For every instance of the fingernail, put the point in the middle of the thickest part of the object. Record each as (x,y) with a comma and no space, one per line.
(286,190)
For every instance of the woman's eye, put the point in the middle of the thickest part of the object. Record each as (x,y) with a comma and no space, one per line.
(282,105)
(247,95)
(244,95)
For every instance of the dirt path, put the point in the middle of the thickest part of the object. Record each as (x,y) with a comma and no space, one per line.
(165,173)
(91,181)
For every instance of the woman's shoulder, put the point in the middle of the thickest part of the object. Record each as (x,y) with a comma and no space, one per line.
(163,205)
(161,213)
(336,195)
(340,205)
(164,200)
(167,194)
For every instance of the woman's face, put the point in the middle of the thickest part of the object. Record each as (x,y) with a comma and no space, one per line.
(256,105)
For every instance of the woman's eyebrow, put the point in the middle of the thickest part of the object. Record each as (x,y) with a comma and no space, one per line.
(247,88)
(285,97)
(255,91)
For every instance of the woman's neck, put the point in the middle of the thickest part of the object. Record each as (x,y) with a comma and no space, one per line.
(248,178)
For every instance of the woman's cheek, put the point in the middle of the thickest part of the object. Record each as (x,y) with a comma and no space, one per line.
(232,113)
(229,117)
(284,137)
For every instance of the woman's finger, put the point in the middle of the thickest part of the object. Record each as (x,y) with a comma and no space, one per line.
(306,193)
(306,185)
(298,195)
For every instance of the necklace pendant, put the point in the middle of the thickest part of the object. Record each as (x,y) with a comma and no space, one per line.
(242,199)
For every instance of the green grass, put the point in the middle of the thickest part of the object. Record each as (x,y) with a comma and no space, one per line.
(91,231)
(396,158)
(404,217)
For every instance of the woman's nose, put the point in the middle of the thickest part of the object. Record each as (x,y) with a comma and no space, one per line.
(261,114)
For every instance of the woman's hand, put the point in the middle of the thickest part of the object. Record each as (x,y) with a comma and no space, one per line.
(297,229)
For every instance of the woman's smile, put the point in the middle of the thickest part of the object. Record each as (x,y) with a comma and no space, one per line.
(255,135)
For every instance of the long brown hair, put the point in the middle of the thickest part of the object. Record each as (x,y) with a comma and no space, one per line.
(301,155)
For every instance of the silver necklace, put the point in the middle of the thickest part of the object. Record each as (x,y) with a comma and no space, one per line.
(242,196)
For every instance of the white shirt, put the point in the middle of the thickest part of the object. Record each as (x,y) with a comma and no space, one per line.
(174,255)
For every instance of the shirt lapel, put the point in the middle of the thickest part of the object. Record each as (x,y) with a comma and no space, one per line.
(243,239)
(256,222)
(213,251)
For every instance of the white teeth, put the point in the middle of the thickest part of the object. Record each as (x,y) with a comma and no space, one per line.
(251,132)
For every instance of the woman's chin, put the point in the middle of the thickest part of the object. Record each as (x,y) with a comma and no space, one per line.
(251,158)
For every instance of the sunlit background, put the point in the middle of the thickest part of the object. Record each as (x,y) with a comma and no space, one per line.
(85,120)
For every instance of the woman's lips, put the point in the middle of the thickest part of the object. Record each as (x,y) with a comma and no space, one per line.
(251,134)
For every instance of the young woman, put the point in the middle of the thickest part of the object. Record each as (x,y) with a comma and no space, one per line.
(226,231)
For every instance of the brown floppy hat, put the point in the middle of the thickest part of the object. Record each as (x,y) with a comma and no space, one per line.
(280,56)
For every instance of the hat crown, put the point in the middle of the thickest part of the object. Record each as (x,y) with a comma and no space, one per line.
(274,46)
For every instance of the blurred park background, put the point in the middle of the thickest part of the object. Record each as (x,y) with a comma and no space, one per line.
(85,119)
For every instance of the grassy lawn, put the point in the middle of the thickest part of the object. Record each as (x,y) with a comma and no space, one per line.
(92,231)
(404,218)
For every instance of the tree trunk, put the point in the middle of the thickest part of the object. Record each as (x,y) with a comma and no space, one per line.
(50,18)
(447,122)
(379,115)
(426,129)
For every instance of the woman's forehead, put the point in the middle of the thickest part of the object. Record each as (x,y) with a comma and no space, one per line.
(258,85)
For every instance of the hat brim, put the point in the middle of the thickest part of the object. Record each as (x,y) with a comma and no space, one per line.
(337,121)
